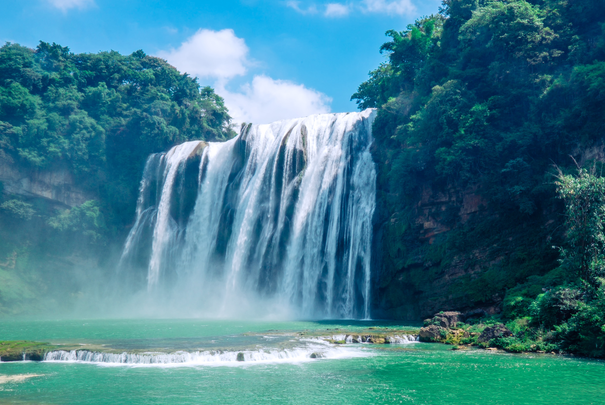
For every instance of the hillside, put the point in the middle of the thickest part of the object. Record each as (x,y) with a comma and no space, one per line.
(75,131)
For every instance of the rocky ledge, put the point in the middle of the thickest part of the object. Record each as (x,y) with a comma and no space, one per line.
(19,350)
(475,329)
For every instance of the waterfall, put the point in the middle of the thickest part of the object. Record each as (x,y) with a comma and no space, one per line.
(283,212)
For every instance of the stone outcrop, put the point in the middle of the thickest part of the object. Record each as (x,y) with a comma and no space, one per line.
(55,184)
(449,328)
(448,319)
(432,333)
(493,332)
(451,245)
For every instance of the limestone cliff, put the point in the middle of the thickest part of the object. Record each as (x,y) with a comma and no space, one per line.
(54,184)
(460,248)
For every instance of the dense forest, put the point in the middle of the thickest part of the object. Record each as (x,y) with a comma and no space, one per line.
(483,108)
(95,117)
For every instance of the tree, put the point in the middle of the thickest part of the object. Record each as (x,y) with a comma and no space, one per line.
(584,196)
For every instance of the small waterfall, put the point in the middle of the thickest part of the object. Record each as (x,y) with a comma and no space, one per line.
(281,212)
(309,352)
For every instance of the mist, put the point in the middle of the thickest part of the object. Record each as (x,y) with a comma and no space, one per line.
(272,224)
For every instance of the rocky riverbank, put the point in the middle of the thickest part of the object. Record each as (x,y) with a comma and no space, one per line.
(461,330)
(474,329)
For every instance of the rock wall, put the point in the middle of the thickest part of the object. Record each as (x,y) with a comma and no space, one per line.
(459,249)
(410,284)
(55,184)
(454,250)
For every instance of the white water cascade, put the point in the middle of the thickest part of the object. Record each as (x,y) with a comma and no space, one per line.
(281,212)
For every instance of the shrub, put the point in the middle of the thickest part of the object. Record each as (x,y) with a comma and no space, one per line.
(18,209)
(556,306)
(584,333)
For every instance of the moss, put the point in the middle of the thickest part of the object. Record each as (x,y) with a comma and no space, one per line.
(17,350)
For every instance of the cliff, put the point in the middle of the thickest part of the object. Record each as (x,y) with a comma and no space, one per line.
(476,106)
(55,185)
(75,131)
(458,249)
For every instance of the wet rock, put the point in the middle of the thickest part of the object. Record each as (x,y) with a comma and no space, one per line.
(11,357)
(448,319)
(493,332)
(240,357)
(432,333)
(316,355)
(34,356)
(377,340)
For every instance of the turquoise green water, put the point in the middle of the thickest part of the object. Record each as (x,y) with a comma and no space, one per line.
(416,373)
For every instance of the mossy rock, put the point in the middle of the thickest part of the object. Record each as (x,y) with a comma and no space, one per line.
(18,350)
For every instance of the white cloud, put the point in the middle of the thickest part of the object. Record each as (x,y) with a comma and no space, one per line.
(295,5)
(65,5)
(220,56)
(210,54)
(398,7)
(266,100)
(391,7)
(336,10)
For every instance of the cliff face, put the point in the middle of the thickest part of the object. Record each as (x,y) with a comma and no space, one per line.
(54,185)
(455,249)
(40,267)
(432,264)
(460,248)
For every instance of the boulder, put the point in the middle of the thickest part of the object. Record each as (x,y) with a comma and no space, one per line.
(448,319)
(432,333)
(492,332)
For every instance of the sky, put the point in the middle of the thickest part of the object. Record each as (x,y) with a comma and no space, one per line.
(269,60)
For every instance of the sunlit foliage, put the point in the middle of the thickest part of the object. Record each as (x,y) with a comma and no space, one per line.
(100,115)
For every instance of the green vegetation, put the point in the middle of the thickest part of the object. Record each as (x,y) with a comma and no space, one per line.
(475,104)
(17,350)
(100,115)
(95,117)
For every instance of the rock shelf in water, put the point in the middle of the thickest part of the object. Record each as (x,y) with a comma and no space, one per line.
(304,345)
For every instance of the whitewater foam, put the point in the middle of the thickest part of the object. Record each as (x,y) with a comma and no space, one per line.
(280,214)
(321,350)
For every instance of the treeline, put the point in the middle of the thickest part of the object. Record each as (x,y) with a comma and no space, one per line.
(99,115)
(487,96)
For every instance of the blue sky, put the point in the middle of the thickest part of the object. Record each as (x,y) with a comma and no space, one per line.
(269,59)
